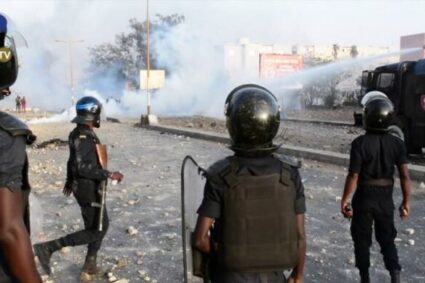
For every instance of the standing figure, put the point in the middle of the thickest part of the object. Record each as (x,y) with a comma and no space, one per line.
(251,219)
(85,179)
(24,104)
(16,257)
(18,104)
(373,159)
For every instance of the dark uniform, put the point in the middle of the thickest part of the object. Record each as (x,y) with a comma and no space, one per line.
(86,179)
(251,219)
(84,174)
(213,205)
(14,136)
(373,157)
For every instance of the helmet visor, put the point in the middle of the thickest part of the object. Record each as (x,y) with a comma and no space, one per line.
(372,95)
(13,36)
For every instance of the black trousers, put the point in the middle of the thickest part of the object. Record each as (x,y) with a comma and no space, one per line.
(239,277)
(374,206)
(90,235)
(219,274)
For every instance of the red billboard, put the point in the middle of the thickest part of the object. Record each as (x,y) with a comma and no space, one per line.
(276,65)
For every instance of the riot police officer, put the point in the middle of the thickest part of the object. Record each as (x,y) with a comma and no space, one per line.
(16,256)
(251,219)
(84,177)
(373,158)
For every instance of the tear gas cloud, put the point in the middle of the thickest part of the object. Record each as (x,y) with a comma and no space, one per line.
(198,83)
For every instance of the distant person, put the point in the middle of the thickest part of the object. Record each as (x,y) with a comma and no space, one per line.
(84,180)
(24,104)
(251,220)
(18,104)
(17,263)
(373,157)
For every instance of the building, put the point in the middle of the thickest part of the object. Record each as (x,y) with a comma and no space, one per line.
(244,57)
(414,47)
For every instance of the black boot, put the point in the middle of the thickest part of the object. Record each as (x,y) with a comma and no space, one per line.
(90,265)
(44,251)
(364,276)
(395,276)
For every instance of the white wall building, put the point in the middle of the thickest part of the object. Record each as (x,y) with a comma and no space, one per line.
(415,43)
(243,57)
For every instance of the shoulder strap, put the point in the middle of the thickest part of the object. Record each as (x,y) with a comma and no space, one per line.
(285,173)
(229,173)
(16,127)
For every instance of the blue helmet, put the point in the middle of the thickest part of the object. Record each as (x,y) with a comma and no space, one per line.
(8,57)
(88,111)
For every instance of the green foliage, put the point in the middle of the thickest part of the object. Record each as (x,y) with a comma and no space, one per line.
(127,55)
(323,89)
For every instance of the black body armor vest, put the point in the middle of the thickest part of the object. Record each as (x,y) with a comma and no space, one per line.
(259,228)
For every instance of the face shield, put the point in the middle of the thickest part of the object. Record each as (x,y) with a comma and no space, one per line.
(13,36)
(372,95)
(10,38)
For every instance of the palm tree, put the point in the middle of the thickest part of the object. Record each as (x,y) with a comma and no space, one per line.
(335,49)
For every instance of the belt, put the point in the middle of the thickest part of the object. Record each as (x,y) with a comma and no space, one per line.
(378,182)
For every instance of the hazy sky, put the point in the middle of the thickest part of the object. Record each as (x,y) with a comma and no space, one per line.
(44,75)
(322,22)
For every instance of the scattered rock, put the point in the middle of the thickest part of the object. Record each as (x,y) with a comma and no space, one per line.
(122,262)
(411,242)
(142,273)
(409,231)
(132,231)
(85,277)
(65,250)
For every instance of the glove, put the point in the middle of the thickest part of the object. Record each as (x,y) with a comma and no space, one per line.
(116,176)
(67,189)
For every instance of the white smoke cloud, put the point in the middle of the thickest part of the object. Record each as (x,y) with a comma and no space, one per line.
(198,83)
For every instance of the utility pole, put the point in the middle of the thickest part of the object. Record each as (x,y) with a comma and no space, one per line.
(148,63)
(71,68)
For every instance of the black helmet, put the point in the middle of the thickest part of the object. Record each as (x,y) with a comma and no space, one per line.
(378,113)
(88,111)
(8,55)
(252,118)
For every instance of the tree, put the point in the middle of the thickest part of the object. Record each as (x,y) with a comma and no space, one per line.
(323,89)
(123,59)
(353,51)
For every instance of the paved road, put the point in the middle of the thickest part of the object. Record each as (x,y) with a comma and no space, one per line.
(149,200)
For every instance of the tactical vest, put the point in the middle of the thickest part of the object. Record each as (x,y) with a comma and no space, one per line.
(259,226)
